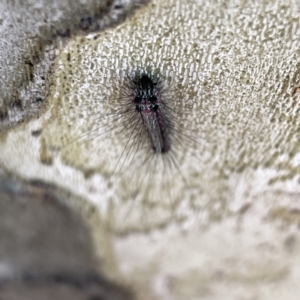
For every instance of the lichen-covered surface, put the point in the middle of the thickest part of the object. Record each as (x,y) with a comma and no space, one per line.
(221,220)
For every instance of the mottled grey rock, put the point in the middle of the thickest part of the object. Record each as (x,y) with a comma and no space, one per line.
(46,250)
(220,218)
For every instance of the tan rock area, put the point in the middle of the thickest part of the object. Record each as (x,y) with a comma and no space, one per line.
(217,217)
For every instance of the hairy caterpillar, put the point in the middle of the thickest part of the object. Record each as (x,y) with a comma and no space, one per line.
(148,124)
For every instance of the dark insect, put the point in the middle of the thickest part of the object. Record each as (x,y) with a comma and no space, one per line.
(144,121)
(149,105)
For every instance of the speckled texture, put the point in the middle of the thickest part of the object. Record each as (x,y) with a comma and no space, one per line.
(229,229)
(31,35)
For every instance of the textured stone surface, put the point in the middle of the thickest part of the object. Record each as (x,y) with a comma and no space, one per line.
(230,228)
(31,35)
